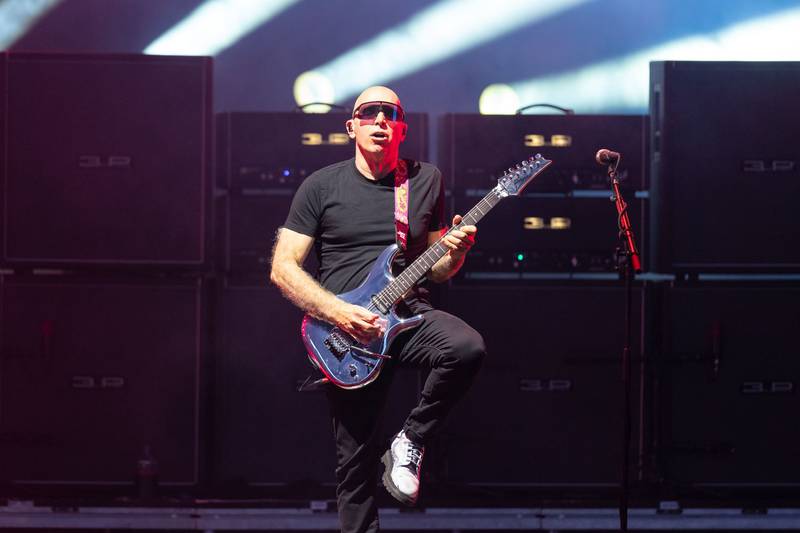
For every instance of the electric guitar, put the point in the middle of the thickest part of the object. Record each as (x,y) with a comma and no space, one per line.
(343,360)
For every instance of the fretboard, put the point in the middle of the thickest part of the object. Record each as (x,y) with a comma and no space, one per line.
(393,292)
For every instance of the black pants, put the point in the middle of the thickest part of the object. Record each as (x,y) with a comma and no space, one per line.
(453,351)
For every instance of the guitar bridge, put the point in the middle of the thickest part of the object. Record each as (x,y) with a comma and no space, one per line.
(338,343)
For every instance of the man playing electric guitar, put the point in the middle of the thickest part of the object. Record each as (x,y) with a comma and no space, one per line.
(350,212)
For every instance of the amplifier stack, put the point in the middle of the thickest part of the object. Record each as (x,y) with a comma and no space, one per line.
(725,167)
(536,285)
(106,247)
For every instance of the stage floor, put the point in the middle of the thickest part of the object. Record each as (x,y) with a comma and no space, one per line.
(321,516)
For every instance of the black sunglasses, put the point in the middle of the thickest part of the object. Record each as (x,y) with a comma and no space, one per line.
(370,110)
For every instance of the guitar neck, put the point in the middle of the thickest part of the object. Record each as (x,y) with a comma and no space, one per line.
(422,265)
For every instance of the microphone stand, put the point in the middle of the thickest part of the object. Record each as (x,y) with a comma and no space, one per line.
(628,263)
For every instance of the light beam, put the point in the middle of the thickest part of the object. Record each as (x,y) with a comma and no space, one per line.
(622,84)
(215,25)
(432,35)
(17,16)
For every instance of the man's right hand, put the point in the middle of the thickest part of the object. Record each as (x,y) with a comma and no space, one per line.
(365,326)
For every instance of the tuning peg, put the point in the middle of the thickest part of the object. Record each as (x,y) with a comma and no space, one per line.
(510,170)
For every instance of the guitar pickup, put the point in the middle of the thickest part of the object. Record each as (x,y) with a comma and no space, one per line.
(384,310)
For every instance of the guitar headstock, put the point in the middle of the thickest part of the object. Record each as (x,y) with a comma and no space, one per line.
(515,179)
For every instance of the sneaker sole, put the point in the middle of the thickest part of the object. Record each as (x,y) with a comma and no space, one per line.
(391,488)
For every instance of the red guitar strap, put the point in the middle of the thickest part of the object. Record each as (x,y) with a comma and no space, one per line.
(401,203)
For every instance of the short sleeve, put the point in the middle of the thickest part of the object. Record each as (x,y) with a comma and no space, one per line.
(304,213)
(437,221)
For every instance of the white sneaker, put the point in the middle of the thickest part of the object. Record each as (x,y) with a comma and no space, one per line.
(403,462)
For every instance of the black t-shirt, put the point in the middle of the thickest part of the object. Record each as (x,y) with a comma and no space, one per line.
(352,219)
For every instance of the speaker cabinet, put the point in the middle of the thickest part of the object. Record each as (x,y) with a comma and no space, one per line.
(106,161)
(95,371)
(730,380)
(546,408)
(725,164)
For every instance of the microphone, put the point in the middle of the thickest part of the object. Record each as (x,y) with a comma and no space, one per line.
(605,156)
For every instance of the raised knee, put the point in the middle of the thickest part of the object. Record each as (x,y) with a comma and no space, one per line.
(472,351)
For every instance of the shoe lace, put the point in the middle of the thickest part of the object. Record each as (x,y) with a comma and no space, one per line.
(414,454)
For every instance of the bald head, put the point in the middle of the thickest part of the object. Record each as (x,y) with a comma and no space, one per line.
(378,131)
(377,93)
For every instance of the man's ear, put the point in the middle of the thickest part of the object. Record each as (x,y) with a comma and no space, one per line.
(350,131)
(404,132)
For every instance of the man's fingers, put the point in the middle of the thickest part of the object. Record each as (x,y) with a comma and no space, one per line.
(361,338)
(365,315)
(459,240)
(367,327)
(360,323)
(366,333)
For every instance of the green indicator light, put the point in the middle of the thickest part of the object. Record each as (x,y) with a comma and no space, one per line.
(520,257)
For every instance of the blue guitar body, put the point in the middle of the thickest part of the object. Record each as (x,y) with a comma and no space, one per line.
(344,361)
